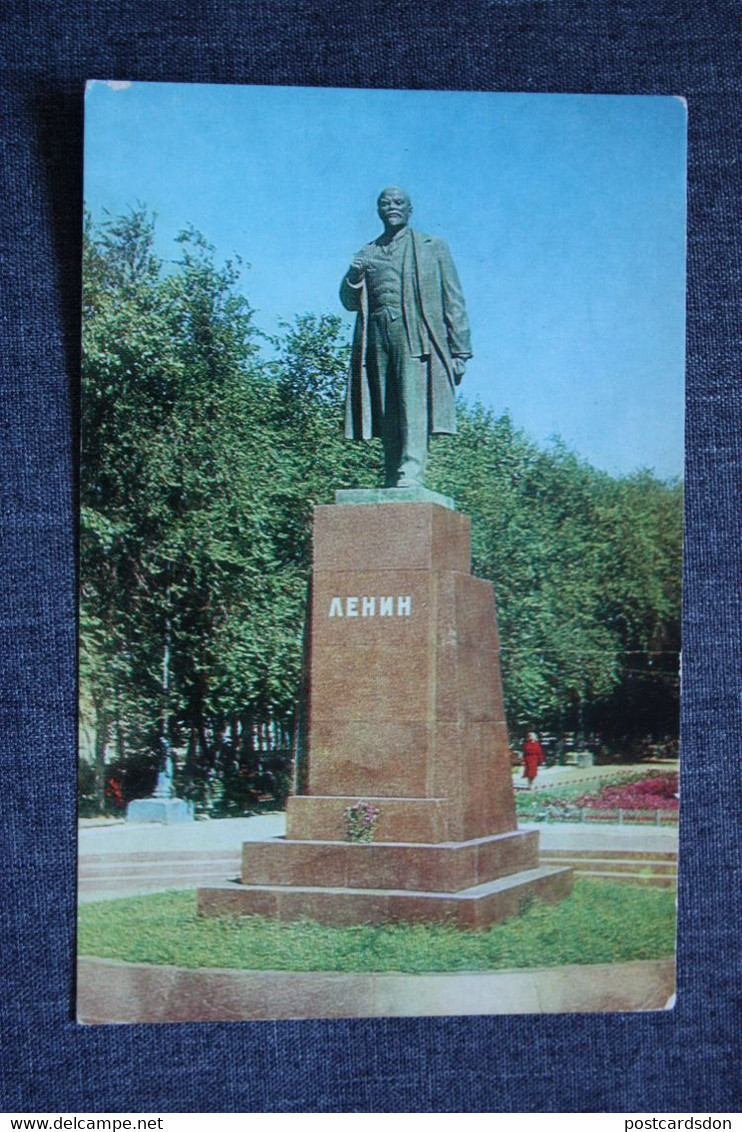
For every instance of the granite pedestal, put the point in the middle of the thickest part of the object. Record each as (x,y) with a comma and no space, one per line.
(166,811)
(404,711)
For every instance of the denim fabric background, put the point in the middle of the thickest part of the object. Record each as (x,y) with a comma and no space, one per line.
(687,1060)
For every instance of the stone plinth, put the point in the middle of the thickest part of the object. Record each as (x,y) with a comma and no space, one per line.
(405,686)
(393,495)
(405,711)
(446,866)
(166,811)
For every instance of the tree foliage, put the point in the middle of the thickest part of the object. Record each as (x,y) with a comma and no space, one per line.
(586,569)
(205,447)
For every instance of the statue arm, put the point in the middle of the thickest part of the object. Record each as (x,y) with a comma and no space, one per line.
(454,308)
(351,287)
(350,293)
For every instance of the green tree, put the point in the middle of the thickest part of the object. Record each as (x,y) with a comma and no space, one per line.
(205,447)
(586,572)
(179,562)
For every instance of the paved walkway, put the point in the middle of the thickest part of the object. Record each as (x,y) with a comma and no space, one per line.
(129,859)
(122,859)
(592,838)
(550,776)
(118,837)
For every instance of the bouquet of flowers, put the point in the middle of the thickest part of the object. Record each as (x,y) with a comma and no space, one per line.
(360,821)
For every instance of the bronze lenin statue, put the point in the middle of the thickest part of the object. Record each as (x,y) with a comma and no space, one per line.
(411,341)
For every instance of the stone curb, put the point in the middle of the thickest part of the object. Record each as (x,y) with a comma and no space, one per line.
(112,991)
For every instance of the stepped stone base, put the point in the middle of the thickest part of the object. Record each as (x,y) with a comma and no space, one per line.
(322,818)
(401,708)
(657,869)
(442,867)
(472,883)
(477,907)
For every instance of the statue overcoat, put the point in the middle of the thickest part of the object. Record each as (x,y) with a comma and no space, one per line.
(432,303)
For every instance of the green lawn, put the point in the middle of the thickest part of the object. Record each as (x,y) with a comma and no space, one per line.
(532,802)
(601,922)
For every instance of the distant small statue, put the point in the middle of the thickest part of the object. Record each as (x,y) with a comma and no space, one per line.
(411,341)
(166,773)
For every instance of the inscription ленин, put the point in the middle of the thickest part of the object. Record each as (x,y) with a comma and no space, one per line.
(371,606)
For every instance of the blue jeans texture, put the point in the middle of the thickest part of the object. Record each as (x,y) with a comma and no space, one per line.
(686,1060)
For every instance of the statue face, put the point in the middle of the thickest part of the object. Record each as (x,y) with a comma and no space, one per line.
(395,208)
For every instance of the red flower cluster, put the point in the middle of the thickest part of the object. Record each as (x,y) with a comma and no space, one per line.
(656,792)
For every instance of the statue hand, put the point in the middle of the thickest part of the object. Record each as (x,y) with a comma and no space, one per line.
(356,270)
(459,369)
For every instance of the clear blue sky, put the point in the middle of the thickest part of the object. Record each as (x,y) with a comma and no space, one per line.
(565,215)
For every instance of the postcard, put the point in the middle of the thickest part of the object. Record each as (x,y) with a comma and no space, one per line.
(380,558)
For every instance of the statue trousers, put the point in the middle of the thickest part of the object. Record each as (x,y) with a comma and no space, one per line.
(402,383)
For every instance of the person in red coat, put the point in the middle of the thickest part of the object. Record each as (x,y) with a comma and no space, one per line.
(533,757)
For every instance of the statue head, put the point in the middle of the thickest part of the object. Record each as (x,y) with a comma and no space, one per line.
(395,208)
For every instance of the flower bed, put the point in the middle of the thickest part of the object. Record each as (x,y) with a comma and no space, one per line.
(642,798)
(651,793)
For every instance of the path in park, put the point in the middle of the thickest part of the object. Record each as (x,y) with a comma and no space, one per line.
(550,776)
(126,859)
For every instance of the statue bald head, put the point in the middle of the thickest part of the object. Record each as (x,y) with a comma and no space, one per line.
(395,208)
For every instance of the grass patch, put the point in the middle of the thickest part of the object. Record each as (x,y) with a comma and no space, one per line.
(601,922)
(531,803)
(566,793)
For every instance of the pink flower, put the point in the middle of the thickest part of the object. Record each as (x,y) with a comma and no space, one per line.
(655,792)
